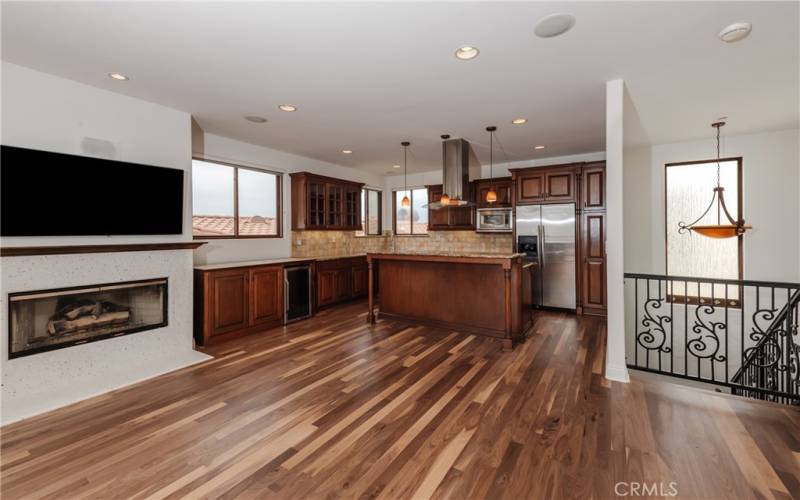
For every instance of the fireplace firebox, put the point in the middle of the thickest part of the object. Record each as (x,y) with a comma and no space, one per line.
(44,320)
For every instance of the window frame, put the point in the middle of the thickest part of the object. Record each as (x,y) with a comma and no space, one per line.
(364,231)
(394,212)
(688,298)
(278,203)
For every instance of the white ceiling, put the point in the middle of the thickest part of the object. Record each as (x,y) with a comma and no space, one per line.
(367,75)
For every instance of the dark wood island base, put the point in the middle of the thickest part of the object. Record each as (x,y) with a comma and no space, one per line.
(473,293)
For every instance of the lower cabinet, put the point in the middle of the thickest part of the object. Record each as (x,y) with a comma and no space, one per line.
(237,301)
(341,279)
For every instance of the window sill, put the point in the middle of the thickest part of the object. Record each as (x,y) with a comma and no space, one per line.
(411,235)
(254,237)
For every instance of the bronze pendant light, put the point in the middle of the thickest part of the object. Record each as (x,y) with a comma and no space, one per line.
(406,202)
(491,196)
(718,230)
(444,200)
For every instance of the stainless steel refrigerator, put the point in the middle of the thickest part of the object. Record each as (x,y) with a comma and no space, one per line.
(547,234)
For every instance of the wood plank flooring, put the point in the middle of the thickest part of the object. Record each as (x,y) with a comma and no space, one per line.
(331,407)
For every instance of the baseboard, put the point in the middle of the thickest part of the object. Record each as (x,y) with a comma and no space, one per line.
(617,373)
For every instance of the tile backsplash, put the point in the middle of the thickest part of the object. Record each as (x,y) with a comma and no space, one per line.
(324,243)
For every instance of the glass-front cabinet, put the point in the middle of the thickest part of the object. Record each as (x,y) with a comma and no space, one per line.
(320,202)
(334,195)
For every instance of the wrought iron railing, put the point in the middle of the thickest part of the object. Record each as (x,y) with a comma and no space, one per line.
(738,334)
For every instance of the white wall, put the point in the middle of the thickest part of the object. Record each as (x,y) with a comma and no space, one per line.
(615,343)
(771,176)
(232,151)
(41,111)
(46,112)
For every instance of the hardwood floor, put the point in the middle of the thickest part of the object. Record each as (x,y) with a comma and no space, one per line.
(333,407)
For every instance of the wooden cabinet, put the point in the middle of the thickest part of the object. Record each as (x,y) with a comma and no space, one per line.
(593,186)
(323,203)
(503,188)
(230,293)
(560,185)
(552,184)
(266,295)
(342,279)
(360,280)
(584,184)
(233,302)
(593,268)
(530,187)
(449,218)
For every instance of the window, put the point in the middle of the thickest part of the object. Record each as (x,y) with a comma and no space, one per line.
(689,188)
(414,219)
(370,213)
(234,202)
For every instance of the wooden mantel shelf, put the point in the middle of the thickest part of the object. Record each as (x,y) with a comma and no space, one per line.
(131,247)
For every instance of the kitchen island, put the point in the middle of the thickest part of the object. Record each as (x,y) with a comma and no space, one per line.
(471,293)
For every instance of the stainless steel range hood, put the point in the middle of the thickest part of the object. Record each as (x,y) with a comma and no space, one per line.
(459,165)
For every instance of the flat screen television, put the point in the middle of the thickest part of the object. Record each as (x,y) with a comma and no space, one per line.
(54,194)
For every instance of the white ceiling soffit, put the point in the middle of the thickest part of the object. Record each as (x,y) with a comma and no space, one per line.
(367,75)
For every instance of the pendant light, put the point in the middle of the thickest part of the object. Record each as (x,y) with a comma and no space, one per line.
(406,202)
(444,200)
(491,196)
(718,230)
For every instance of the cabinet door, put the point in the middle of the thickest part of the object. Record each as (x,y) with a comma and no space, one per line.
(360,281)
(316,204)
(503,190)
(352,208)
(503,194)
(266,295)
(437,218)
(343,284)
(593,188)
(560,185)
(229,300)
(335,205)
(461,218)
(593,282)
(326,289)
(530,187)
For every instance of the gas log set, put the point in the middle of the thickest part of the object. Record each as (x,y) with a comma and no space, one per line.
(83,314)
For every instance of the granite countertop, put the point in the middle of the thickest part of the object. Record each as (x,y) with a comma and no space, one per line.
(266,262)
(472,255)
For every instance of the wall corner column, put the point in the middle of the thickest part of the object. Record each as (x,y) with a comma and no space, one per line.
(616,368)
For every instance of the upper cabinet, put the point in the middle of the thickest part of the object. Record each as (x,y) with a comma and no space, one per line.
(551,184)
(320,202)
(593,186)
(449,218)
(503,188)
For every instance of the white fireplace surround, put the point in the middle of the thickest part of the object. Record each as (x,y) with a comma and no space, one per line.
(45,381)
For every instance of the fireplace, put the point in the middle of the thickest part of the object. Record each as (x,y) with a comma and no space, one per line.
(53,319)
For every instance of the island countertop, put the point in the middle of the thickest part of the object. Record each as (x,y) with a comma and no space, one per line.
(454,257)
(478,293)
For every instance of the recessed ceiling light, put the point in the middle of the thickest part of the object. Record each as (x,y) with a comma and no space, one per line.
(395,166)
(538,147)
(347,151)
(287,107)
(554,25)
(118,76)
(735,32)
(519,121)
(255,119)
(467,52)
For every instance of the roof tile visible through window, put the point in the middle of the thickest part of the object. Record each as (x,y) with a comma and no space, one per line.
(218,225)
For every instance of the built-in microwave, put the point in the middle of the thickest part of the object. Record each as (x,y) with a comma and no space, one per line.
(494,220)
